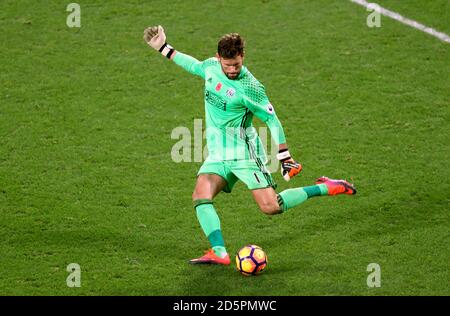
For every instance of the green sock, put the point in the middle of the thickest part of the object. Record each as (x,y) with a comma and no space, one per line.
(210,223)
(293,197)
(316,190)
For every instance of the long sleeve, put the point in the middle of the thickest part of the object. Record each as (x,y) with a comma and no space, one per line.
(190,64)
(256,100)
(276,130)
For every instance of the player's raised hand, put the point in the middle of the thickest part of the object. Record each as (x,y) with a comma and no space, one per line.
(289,167)
(155,37)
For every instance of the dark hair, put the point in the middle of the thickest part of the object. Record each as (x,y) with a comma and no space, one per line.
(230,46)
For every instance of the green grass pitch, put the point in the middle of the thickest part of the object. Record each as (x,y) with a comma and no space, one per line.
(86,174)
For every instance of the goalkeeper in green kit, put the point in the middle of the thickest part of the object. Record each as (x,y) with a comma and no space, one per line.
(233,96)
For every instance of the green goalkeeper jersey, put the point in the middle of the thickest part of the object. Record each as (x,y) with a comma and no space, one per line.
(229,109)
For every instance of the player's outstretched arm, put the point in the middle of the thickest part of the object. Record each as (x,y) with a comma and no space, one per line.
(155,37)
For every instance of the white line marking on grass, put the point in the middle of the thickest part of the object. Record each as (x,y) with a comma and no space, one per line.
(394,15)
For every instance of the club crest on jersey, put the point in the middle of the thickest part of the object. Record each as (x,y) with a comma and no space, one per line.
(218,87)
(230,92)
(270,108)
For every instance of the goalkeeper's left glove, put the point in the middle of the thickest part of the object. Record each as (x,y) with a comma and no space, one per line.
(289,167)
(155,37)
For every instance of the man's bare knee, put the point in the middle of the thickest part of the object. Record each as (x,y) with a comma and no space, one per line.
(197,195)
(270,208)
(204,191)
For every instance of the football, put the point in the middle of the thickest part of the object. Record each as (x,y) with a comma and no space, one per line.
(251,260)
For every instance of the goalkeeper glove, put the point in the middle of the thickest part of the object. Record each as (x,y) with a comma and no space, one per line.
(289,167)
(156,38)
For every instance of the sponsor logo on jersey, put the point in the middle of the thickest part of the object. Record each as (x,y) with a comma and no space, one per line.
(215,100)
(230,92)
(218,87)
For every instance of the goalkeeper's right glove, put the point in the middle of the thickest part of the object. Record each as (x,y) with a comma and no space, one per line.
(156,38)
(289,167)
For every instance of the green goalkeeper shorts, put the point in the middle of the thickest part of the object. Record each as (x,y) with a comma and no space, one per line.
(252,172)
